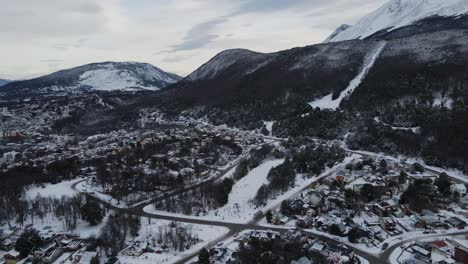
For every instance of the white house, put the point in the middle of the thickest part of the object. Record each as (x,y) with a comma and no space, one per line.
(458,187)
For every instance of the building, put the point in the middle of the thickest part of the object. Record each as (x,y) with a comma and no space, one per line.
(461,254)
(11,257)
(458,187)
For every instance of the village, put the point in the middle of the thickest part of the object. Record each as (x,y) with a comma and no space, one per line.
(376,201)
(364,202)
(56,248)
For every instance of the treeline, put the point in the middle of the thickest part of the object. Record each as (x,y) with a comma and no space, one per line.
(175,236)
(310,159)
(425,194)
(313,159)
(118,228)
(324,124)
(281,178)
(255,158)
(275,251)
(440,140)
(209,196)
(66,209)
(15,179)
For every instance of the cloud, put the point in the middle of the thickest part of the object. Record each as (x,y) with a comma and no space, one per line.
(52,61)
(260,6)
(199,35)
(65,46)
(53,17)
(176,35)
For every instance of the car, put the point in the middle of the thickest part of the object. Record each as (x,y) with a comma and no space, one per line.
(258,215)
(384,246)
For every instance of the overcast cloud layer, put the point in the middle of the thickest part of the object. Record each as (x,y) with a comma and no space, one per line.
(40,37)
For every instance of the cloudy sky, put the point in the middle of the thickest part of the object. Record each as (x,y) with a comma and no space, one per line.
(42,36)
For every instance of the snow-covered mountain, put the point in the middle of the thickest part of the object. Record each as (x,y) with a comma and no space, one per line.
(4,82)
(399,13)
(105,76)
(337,32)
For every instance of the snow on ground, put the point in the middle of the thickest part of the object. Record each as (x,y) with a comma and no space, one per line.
(244,191)
(327,102)
(58,190)
(86,188)
(453,173)
(51,225)
(269,125)
(238,209)
(205,233)
(413,129)
(400,254)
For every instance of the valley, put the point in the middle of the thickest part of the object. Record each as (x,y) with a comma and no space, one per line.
(349,151)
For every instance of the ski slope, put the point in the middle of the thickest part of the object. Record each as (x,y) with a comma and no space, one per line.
(327,102)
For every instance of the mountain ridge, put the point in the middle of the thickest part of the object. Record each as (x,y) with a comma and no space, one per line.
(4,82)
(399,13)
(99,76)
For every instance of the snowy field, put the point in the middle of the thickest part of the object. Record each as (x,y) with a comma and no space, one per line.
(238,209)
(150,228)
(53,190)
(85,187)
(51,225)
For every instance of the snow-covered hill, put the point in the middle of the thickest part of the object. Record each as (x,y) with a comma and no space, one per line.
(126,76)
(106,76)
(4,82)
(399,13)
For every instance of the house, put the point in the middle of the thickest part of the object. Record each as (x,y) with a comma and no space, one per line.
(439,246)
(134,250)
(456,222)
(8,238)
(11,257)
(303,260)
(315,198)
(458,187)
(461,254)
(85,257)
(223,255)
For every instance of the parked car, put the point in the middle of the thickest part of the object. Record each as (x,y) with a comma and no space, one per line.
(384,246)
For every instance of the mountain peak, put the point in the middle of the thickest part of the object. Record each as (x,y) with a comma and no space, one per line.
(250,59)
(100,76)
(340,29)
(399,13)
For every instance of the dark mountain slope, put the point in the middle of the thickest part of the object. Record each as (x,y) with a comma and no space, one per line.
(305,72)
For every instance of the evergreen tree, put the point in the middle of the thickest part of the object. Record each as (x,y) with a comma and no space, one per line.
(94,260)
(92,212)
(443,184)
(204,256)
(28,240)
(269,216)
(402,178)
